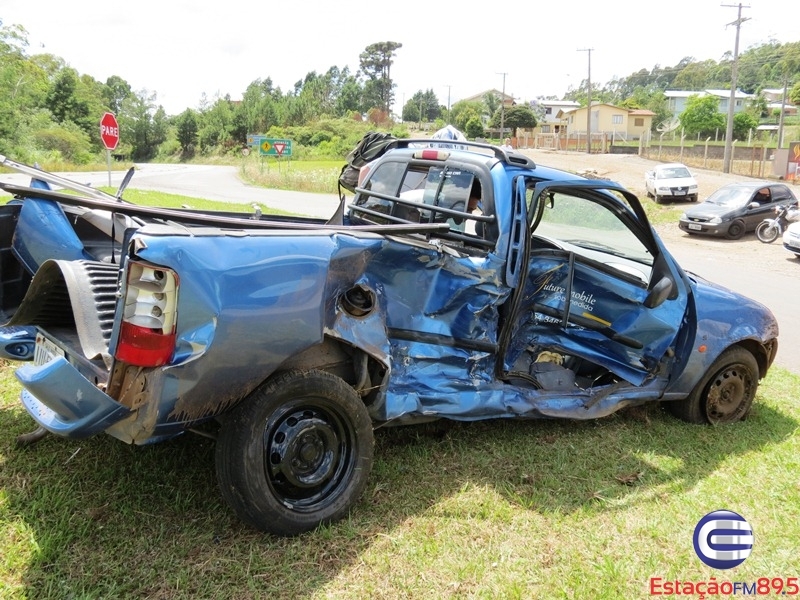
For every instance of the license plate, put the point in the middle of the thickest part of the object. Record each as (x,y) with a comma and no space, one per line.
(679,193)
(45,350)
(694,226)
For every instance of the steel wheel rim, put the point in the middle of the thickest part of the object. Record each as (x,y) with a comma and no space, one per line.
(308,454)
(727,394)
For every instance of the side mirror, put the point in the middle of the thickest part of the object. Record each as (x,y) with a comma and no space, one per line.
(660,292)
(753,205)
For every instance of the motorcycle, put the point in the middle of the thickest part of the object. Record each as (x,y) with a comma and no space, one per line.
(770,230)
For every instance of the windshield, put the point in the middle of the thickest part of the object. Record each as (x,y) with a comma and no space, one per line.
(730,197)
(673,173)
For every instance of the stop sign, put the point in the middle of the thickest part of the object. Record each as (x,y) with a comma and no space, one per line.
(109,131)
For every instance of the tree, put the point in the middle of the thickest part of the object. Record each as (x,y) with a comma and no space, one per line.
(376,62)
(349,99)
(423,106)
(474,128)
(142,124)
(23,87)
(702,116)
(411,111)
(62,98)
(492,102)
(758,106)
(115,91)
(794,94)
(743,123)
(216,125)
(462,111)
(694,76)
(516,117)
(186,125)
(658,104)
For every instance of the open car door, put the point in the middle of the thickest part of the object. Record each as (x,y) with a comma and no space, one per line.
(598,283)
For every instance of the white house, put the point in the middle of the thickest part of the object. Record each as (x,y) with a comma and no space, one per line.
(551,113)
(676,99)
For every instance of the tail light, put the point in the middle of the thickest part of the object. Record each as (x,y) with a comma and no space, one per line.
(147,334)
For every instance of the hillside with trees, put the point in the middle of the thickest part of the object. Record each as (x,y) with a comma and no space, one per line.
(50,112)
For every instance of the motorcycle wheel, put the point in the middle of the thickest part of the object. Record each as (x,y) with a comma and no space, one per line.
(767,231)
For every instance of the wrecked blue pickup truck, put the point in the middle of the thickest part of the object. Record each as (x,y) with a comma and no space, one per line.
(457,282)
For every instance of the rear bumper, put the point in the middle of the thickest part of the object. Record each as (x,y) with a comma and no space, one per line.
(64,402)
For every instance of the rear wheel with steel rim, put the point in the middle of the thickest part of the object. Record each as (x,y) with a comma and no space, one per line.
(295,454)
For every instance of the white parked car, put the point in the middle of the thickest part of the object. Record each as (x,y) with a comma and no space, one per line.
(670,181)
(791,238)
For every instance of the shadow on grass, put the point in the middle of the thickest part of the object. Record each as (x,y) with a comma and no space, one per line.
(109,520)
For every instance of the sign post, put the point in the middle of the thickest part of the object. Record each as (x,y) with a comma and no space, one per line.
(109,133)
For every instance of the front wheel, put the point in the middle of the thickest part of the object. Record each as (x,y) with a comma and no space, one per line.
(767,231)
(724,394)
(736,230)
(296,453)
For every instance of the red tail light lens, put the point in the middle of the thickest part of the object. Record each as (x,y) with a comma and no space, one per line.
(144,347)
(147,334)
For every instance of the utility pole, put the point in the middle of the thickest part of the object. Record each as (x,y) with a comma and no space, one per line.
(783,104)
(447,85)
(588,101)
(726,161)
(503,108)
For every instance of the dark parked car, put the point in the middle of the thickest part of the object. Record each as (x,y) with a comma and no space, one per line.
(736,208)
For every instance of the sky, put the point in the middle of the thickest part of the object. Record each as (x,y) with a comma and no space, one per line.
(181,49)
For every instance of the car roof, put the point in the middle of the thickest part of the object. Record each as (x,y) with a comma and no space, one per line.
(671,166)
(751,185)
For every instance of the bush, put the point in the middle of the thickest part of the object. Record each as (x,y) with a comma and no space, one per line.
(474,128)
(70,142)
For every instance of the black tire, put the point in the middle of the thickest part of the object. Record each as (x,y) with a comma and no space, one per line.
(693,198)
(296,453)
(657,198)
(736,230)
(767,232)
(724,394)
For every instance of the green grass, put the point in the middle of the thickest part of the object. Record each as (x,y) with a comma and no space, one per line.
(298,175)
(165,200)
(500,509)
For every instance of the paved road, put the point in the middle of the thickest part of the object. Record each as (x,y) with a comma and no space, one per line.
(199,181)
(767,273)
